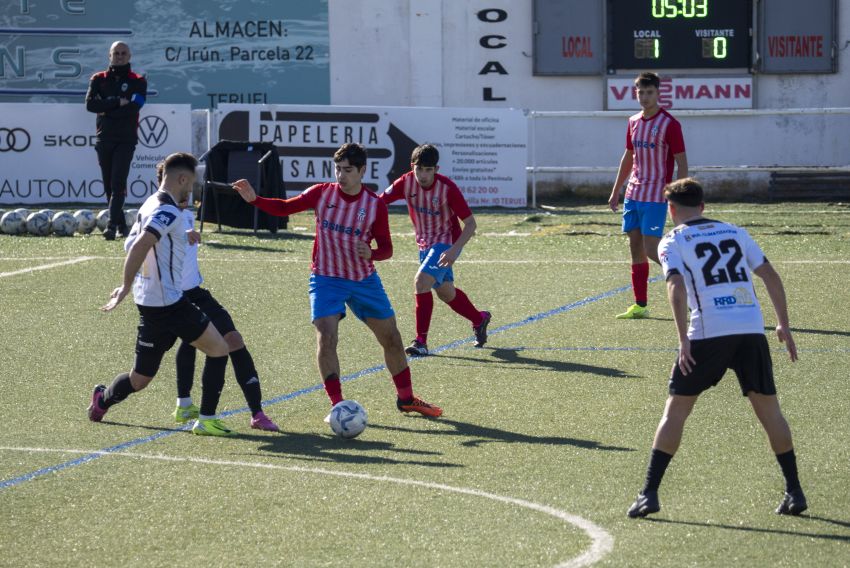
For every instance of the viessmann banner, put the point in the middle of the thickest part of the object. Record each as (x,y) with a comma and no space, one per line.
(482,150)
(192,51)
(47,152)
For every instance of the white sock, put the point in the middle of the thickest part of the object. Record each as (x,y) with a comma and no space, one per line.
(203,417)
(184,402)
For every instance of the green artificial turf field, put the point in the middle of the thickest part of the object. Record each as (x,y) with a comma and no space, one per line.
(542,447)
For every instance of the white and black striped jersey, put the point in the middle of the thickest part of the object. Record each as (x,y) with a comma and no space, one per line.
(159,282)
(191,271)
(716,260)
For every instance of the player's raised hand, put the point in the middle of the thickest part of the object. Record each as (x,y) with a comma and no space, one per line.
(115,298)
(193,237)
(243,188)
(784,335)
(686,361)
(363,250)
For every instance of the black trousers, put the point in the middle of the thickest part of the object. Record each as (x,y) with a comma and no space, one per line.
(114,157)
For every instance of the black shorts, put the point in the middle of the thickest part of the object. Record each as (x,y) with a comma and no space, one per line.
(159,328)
(746,354)
(206,303)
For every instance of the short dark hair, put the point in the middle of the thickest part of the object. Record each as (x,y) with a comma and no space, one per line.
(648,79)
(425,155)
(354,153)
(179,161)
(160,171)
(686,192)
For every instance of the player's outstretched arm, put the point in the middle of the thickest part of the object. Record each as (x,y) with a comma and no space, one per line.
(678,297)
(132,264)
(776,291)
(277,207)
(626,163)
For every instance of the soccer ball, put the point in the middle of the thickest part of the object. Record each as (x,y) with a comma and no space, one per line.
(49,212)
(12,223)
(103,219)
(38,224)
(348,419)
(130,216)
(64,224)
(86,221)
(23,213)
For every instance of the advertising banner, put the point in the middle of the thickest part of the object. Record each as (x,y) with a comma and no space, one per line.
(47,153)
(191,51)
(685,93)
(482,150)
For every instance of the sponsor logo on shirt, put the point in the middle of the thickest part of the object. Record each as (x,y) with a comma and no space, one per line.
(164,218)
(426,210)
(361,214)
(336,227)
(645,144)
(741,297)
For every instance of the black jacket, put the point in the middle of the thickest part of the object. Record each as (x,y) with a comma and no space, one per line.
(116,122)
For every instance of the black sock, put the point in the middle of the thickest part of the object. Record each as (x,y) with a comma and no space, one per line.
(246,376)
(788,463)
(641,304)
(120,389)
(185,369)
(212,381)
(658,462)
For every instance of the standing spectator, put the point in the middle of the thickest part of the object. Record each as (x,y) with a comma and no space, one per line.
(116,96)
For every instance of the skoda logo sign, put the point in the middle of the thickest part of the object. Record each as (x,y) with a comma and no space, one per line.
(153,131)
(14,140)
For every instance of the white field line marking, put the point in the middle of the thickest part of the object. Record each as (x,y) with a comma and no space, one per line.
(47,266)
(602,541)
(394,260)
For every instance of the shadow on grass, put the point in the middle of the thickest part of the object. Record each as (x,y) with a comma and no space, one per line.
(824,536)
(483,435)
(812,331)
(319,447)
(514,359)
(332,449)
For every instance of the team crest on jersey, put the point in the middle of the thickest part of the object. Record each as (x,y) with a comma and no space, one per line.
(435,201)
(164,218)
(361,214)
(124,87)
(654,131)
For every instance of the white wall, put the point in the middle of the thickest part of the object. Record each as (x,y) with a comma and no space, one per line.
(427,53)
(399,52)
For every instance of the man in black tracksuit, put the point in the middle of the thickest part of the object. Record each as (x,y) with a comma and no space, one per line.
(116,95)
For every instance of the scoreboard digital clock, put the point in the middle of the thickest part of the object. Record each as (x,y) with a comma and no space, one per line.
(679,34)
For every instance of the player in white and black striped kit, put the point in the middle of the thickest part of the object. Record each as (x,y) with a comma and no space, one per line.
(709,267)
(154,270)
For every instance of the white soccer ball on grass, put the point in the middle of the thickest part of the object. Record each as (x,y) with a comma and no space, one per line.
(348,419)
(64,224)
(38,224)
(86,221)
(103,219)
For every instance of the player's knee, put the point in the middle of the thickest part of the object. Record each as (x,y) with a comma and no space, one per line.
(392,340)
(446,293)
(139,381)
(234,341)
(327,339)
(421,282)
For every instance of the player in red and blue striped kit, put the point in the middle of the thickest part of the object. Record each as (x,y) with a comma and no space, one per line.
(348,218)
(654,143)
(435,205)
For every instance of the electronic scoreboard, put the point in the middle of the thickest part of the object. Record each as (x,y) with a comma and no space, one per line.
(679,34)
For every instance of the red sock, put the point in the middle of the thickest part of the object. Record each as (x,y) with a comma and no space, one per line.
(424,309)
(333,388)
(640,275)
(403,386)
(464,307)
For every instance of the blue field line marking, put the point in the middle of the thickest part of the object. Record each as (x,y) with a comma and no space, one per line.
(663,349)
(295,394)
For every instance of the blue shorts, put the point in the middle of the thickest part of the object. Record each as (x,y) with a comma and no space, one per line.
(429,259)
(647,216)
(366,298)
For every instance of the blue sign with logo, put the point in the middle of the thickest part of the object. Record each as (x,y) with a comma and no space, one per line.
(191,51)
